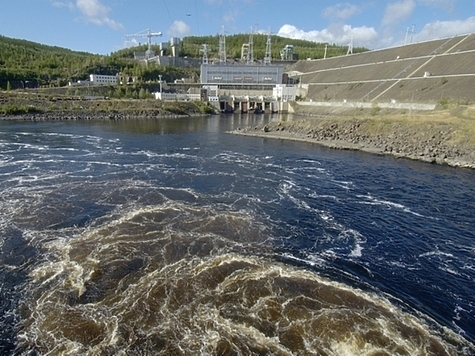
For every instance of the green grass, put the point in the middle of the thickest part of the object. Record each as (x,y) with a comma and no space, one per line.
(18,110)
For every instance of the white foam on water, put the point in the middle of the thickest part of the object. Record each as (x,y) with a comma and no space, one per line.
(370,200)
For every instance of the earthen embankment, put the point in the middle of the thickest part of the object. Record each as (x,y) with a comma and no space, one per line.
(442,137)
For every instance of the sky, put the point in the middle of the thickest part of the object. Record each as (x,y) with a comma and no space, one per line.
(106,26)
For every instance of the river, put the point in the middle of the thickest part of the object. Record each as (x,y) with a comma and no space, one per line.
(172,237)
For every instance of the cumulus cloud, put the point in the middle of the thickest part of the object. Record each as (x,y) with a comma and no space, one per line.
(398,11)
(440,29)
(179,29)
(389,34)
(341,11)
(92,10)
(337,34)
(95,12)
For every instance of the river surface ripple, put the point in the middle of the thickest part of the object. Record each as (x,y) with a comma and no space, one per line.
(171,237)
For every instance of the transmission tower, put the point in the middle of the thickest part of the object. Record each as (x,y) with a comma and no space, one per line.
(268,55)
(350,47)
(250,53)
(222,48)
(149,34)
(411,33)
(205,53)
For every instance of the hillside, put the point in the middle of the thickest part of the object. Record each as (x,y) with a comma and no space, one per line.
(25,64)
(29,64)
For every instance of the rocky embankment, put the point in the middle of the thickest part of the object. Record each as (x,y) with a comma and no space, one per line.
(92,115)
(433,141)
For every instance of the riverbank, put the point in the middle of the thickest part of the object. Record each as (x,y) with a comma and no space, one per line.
(442,137)
(34,106)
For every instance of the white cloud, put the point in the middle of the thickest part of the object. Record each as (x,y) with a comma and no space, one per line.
(440,29)
(337,34)
(341,11)
(97,13)
(131,43)
(179,29)
(398,11)
(67,4)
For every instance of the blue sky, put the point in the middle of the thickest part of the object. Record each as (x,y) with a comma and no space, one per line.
(101,26)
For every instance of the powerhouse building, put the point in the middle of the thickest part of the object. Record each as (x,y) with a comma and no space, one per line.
(236,74)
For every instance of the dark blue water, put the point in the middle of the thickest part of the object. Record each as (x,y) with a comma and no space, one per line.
(170,236)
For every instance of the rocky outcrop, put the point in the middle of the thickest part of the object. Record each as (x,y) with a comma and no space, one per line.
(426,141)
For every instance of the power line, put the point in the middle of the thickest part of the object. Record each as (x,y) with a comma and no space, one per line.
(166,7)
(197,18)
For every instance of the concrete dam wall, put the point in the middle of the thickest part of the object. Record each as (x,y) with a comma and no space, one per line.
(428,72)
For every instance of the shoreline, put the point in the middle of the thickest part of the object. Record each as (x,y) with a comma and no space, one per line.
(89,116)
(432,143)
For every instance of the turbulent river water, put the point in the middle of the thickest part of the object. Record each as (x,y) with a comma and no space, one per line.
(172,237)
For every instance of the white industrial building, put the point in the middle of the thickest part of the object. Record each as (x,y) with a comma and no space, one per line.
(99,79)
(177,96)
(283,92)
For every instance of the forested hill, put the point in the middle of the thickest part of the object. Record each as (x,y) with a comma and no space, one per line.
(26,64)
